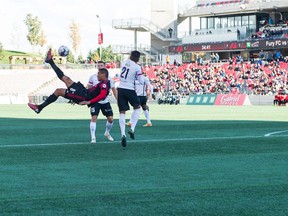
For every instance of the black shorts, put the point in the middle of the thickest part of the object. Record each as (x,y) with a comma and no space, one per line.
(142,100)
(126,96)
(106,109)
(76,92)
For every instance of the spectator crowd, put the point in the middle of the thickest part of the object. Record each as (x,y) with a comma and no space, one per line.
(253,78)
(281,98)
(268,30)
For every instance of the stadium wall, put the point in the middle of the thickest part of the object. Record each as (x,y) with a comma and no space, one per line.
(261,99)
(17,85)
(24,98)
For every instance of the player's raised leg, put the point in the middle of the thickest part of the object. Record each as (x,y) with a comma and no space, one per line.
(49,60)
(60,74)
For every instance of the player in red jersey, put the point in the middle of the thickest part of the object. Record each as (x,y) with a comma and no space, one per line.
(75,92)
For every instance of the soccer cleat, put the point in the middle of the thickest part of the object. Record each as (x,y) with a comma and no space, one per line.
(93,141)
(34,107)
(109,137)
(128,124)
(147,125)
(49,56)
(123,141)
(131,133)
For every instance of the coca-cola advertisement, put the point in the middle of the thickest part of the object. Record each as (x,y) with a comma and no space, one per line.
(230,99)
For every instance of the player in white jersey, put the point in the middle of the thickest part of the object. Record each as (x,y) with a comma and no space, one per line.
(103,105)
(143,91)
(130,72)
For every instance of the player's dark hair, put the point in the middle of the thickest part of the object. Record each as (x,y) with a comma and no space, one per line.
(134,59)
(104,71)
(101,62)
(135,56)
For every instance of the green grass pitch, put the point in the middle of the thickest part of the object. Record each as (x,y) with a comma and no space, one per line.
(195,160)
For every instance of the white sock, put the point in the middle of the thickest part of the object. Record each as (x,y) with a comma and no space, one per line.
(108,127)
(134,118)
(122,124)
(93,129)
(146,113)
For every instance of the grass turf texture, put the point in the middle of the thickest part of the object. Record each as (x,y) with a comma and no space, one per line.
(195,160)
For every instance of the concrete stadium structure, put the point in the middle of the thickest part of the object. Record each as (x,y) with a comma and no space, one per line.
(220,23)
(20,86)
(226,27)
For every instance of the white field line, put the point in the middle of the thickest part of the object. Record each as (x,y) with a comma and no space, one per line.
(137,141)
(276,132)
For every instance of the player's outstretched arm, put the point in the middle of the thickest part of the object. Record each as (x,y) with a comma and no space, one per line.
(101,96)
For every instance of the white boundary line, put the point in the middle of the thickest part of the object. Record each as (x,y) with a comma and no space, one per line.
(276,132)
(138,141)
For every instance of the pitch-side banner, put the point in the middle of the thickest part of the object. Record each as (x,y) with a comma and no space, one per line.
(204,99)
(232,100)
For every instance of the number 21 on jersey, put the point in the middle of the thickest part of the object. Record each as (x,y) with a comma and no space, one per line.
(124,72)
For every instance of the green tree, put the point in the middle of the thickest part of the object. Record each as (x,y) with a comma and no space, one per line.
(89,55)
(1,51)
(42,40)
(93,55)
(74,35)
(107,54)
(34,26)
(80,59)
(118,59)
(70,58)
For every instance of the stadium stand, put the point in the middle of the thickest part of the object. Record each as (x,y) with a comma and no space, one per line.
(234,77)
(252,78)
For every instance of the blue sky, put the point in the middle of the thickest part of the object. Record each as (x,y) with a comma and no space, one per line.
(57,15)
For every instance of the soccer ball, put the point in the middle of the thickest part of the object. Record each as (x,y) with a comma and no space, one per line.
(63,51)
